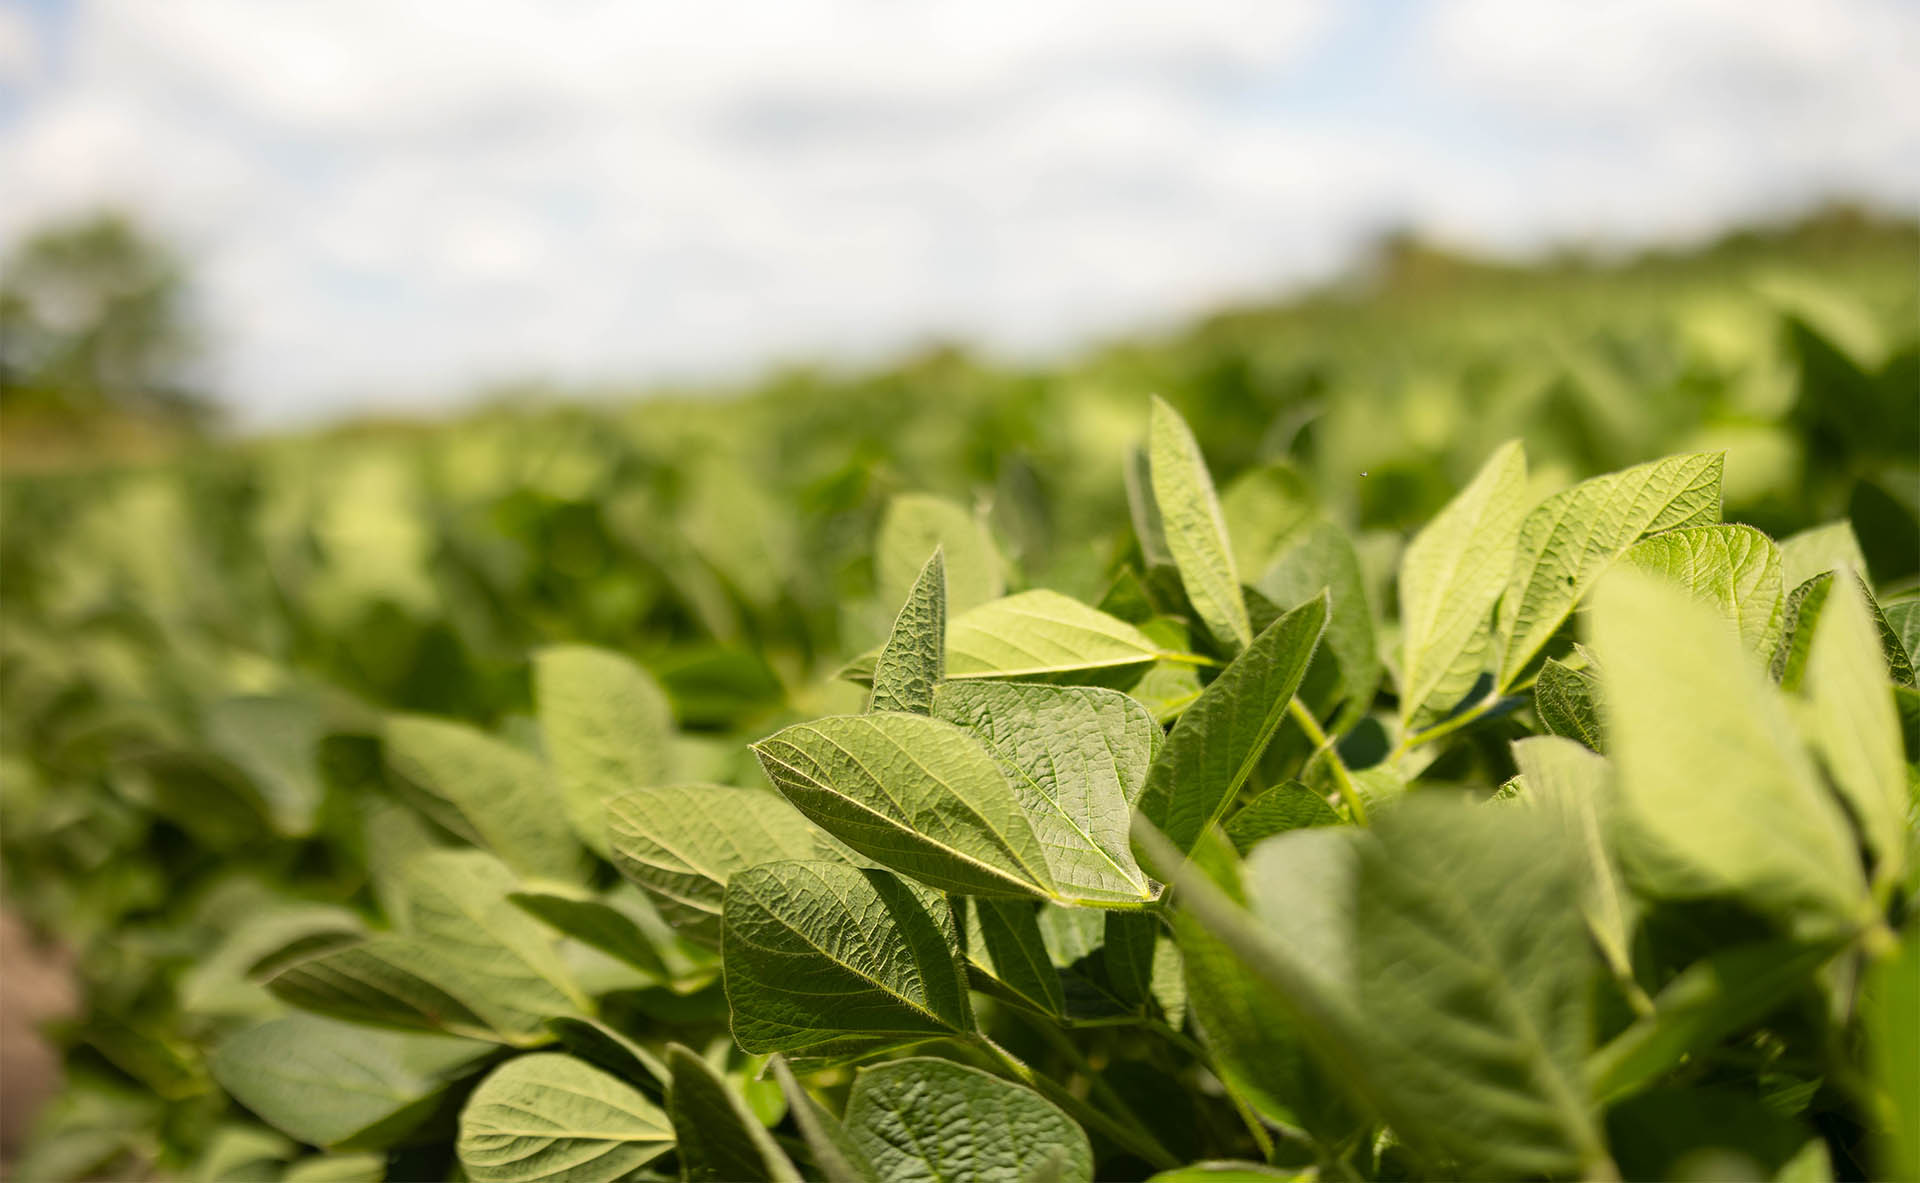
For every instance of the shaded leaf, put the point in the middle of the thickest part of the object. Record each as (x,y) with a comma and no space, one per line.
(488,791)
(1569,704)
(912,526)
(1291,806)
(718,1140)
(551,1117)
(1322,556)
(607,727)
(835,1154)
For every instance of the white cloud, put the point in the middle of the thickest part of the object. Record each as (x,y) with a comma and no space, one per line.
(390,201)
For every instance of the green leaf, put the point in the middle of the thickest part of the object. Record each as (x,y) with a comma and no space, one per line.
(594,922)
(275,740)
(913,525)
(681,843)
(337,1168)
(1569,704)
(911,663)
(930,1120)
(1229,1171)
(836,1155)
(1573,536)
(1816,551)
(549,1117)
(1903,617)
(1450,578)
(1077,759)
(1216,743)
(1127,954)
(1264,508)
(813,952)
(1855,727)
(717,1139)
(1291,806)
(607,728)
(1733,569)
(1041,633)
(330,1084)
(384,981)
(1323,557)
(1893,1027)
(1711,776)
(1802,615)
(1576,787)
(916,794)
(1196,531)
(488,791)
(1004,939)
(1147,526)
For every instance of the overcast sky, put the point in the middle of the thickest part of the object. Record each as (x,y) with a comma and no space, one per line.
(389,202)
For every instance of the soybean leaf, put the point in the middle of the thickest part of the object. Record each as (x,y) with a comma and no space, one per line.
(1264,508)
(549,1117)
(1576,787)
(1234,1171)
(1127,953)
(681,843)
(1818,550)
(1041,633)
(923,1119)
(1568,701)
(275,740)
(916,523)
(1710,773)
(1217,742)
(331,1084)
(607,727)
(1802,614)
(236,1153)
(337,1168)
(916,794)
(605,1048)
(1573,536)
(383,981)
(814,952)
(1450,578)
(1147,526)
(1004,939)
(837,1156)
(1077,759)
(1903,617)
(717,1139)
(488,791)
(1291,806)
(1893,1025)
(1733,569)
(911,663)
(1855,728)
(1322,556)
(595,922)
(1196,531)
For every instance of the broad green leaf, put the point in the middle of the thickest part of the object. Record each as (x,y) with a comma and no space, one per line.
(681,843)
(1217,742)
(549,1117)
(1195,529)
(607,728)
(1576,787)
(1291,806)
(1127,951)
(1711,776)
(330,1084)
(1903,617)
(835,1154)
(1569,704)
(1893,1027)
(1040,633)
(913,525)
(1855,728)
(1733,569)
(486,790)
(1818,550)
(932,1120)
(595,922)
(814,952)
(1077,758)
(1263,508)
(1450,577)
(1231,1171)
(384,981)
(1147,526)
(1573,536)
(1004,939)
(916,794)
(911,663)
(1322,556)
(603,1047)
(717,1139)
(1804,606)
(240,1154)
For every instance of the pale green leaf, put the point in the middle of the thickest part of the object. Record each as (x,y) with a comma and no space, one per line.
(1077,759)
(1214,746)
(916,794)
(717,1138)
(488,791)
(549,1118)
(1264,508)
(913,525)
(1322,556)
(835,1154)
(607,727)
(1573,536)
(815,952)
(275,740)
(1893,1026)
(1818,550)
(1195,529)
(384,981)
(1804,606)
(1291,806)
(1855,727)
(1733,569)
(338,1168)
(1040,633)
(1230,1171)
(912,661)
(1147,526)
(926,1121)
(1576,787)
(1450,577)
(1569,704)
(1903,617)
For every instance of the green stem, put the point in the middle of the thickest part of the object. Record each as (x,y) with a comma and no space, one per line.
(1136,1140)
(1248,1117)
(1349,792)
(1446,727)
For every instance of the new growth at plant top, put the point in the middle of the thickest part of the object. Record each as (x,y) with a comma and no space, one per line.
(1569,834)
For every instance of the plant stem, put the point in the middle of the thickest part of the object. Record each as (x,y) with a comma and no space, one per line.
(1136,1140)
(1349,792)
(1448,726)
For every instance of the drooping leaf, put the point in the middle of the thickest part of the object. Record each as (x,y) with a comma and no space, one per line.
(549,1117)
(488,791)
(1216,743)
(913,525)
(681,843)
(1041,633)
(835,1154)
(931,1120)
(1710,773)
(1569,704)
(1733,569)
(607,727)
(1450,577)
(816,952)
(1077,759)
(1322,556)
(1855,728)
(1195,529)
(1291,806)
(1004,940)
(716,1137)
(916,794)
(913,660)
(1569,539)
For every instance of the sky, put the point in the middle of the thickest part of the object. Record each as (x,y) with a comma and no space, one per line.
(388,205)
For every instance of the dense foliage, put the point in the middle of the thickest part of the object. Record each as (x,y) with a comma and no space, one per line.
(936,775)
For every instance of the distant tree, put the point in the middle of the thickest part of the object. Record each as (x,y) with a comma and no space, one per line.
(94,320)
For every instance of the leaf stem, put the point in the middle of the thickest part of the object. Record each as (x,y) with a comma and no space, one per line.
(1449,725)
(1135,1139)
(1349,792)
